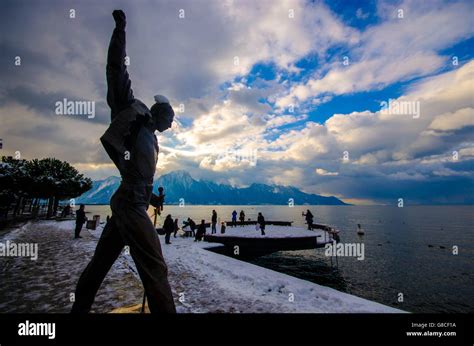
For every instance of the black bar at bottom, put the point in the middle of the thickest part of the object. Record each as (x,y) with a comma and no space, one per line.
(290,329)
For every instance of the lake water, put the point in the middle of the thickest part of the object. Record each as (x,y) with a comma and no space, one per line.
(408,251)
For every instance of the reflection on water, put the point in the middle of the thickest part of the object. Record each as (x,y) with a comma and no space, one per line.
(407,250)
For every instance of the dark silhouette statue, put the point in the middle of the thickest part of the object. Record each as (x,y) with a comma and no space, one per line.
(131,144)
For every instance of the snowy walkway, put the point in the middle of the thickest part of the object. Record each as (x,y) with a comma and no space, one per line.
(45,285)
(202,281)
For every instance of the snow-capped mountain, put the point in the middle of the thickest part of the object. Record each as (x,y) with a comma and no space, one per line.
(180,184)
(100,192)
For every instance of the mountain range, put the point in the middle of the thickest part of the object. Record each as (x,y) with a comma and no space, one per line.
(180,185)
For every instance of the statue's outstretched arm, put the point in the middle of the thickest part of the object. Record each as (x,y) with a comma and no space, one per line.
(119,91)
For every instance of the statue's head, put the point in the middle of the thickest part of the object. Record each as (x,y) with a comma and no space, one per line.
(162,113)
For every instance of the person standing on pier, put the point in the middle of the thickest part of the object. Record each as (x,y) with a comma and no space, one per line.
(261,222)
(131,143)
(214,222)
(242,218)
(309,218)
(234,218)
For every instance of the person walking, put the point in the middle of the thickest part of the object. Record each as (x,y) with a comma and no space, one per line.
(234,218)
(168,227)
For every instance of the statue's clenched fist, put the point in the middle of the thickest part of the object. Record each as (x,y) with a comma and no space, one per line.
(120,19)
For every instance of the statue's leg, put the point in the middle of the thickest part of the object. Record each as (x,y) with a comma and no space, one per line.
(138,232)
(108,249)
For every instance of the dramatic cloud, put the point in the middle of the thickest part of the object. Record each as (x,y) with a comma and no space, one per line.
(246,79)
(401,48)
(394,147)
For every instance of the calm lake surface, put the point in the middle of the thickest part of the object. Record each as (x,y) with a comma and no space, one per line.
(407,250)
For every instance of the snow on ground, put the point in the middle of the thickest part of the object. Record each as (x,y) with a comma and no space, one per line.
(202,281)
(227,284)
(45,285)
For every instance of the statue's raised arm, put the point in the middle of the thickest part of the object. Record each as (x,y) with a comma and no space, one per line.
(119,91)
(132,145)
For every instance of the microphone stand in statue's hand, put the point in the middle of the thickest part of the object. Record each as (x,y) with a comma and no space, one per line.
(155,212)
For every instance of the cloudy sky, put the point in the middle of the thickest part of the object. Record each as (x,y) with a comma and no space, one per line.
(277,92)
